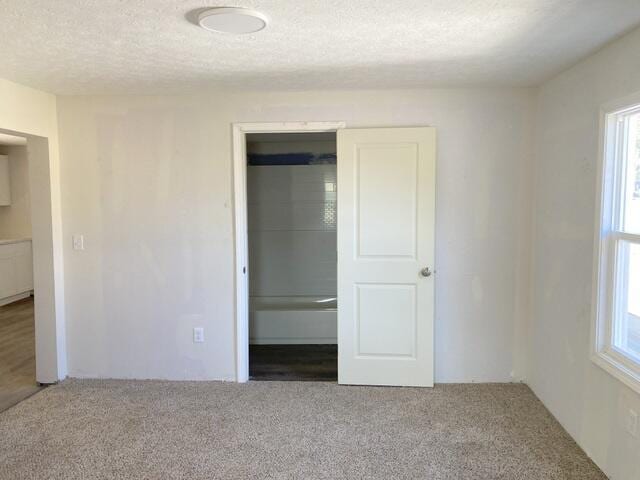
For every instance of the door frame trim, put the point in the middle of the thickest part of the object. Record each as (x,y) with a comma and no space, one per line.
(47,255)
(239,139)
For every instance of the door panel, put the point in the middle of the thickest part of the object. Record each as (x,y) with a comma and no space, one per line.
(386,215)
(375,176)
(376,303)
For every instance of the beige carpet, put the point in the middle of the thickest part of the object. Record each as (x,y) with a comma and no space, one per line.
(284,430)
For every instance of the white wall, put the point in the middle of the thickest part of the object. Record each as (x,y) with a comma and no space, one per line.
(590,404)
(148,180)
(15,220)
(27,111)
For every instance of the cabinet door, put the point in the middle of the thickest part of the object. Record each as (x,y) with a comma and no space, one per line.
(16,269)
(7,275)
(23,265)
(5,185)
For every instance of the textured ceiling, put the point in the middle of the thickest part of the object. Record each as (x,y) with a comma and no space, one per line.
(150,46)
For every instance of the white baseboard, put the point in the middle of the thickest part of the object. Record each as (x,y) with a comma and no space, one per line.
(14,298)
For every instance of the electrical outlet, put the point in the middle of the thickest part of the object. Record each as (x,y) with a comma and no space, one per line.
(198,335)
(632,423)
(78,242)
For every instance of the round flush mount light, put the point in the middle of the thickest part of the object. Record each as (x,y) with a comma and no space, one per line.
(235,20)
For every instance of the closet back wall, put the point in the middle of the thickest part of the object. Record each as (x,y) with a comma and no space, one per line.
(292,239)
(292,223)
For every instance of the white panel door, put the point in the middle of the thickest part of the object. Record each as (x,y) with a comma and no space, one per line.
(386,221)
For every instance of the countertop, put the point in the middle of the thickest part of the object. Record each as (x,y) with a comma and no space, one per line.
(13,240)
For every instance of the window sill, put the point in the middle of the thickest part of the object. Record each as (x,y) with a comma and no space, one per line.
(612,365)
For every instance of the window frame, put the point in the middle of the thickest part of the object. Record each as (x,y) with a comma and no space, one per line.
(607,244)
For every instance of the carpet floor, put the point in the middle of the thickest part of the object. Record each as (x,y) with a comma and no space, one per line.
(113,429)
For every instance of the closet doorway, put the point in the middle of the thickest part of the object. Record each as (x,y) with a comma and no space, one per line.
(291,220)
(285,222)
(379,250)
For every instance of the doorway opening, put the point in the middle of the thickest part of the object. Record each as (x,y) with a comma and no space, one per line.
(291,218)
(17,318)
(286,193)
(385,252)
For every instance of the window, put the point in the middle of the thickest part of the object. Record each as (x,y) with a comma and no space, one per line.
(617,306)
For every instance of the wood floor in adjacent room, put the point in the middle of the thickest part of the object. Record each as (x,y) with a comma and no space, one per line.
(17,353)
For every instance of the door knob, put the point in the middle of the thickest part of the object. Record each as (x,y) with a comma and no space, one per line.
(425,272)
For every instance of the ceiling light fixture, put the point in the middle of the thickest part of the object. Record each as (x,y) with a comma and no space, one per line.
(235,20)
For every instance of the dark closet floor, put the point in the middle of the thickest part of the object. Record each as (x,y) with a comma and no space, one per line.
(293,362)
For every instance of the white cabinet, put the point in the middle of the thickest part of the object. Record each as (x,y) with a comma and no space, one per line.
(16,268)
(5,183)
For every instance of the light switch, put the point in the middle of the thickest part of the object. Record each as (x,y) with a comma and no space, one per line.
(78,242)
